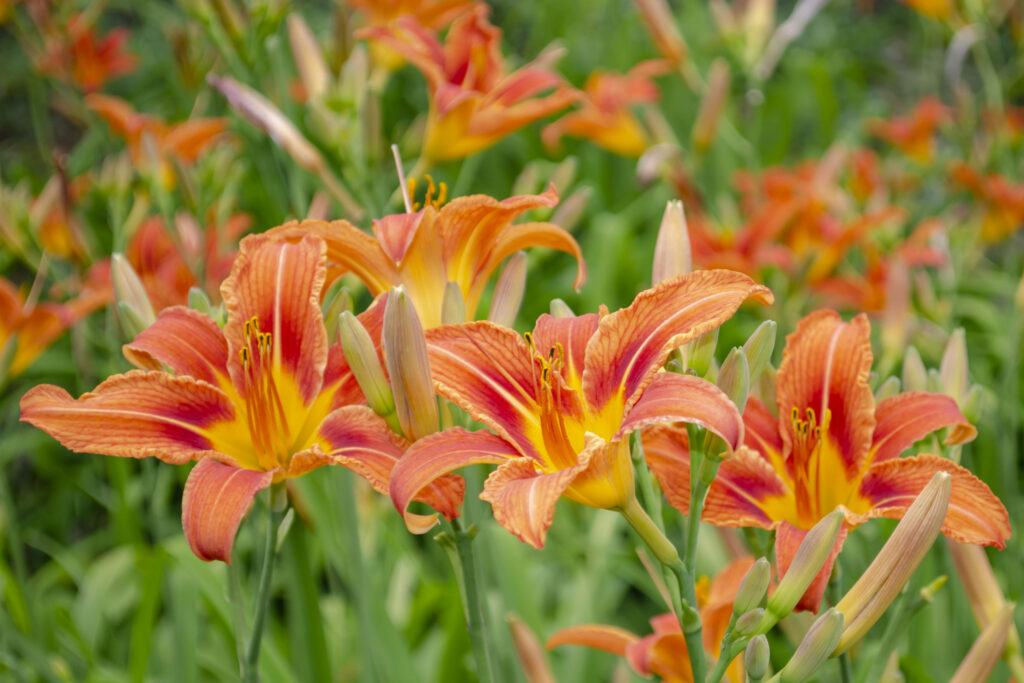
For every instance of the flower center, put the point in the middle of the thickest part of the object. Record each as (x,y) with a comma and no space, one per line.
(555,400)
(264,409)
(428,196)
(807,461)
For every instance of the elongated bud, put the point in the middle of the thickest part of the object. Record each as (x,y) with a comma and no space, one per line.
(953,369)
(983,656)
(672,249)
(983,591)
(934,381)
(339,301)
(971,405)
(749,622)
(529,651)
(365,364)
(759,347)
(560,309)
(882,581)
(712,105)
(915,377)
(815,648)
(128,289)
(564,175)
(308,59)
(262,113)
(890,387)
(528,181)
(764,389)
(453,306)
(758,24)
(661,25)
(569,212)
(508,291)
(734,378)
(810,557)
(701,352)
(405,353)
(753,587)
(132,322)
(757,657)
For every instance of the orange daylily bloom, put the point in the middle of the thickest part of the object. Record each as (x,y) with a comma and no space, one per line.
(78,54)
(606,116)
(432,14)
(831,448)
(474,102)
(1003,201)
(664,653)
(563,401)
(914,133)
(260,401)
(463,242)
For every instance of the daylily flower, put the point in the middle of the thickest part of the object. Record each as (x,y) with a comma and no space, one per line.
(431,14)
(664,653)
(606,117)
(76,53)
(563,401)
(263,400)
(462,242)
(474,103)
(831,448)
(914,133)
(1002,201)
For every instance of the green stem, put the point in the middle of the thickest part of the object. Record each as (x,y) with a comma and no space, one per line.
(473,606)
(275,508)
(836,590)
(730,649)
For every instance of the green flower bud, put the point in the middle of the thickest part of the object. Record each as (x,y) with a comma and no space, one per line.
(757,657)
(753,587)
(815,648)
(749,622)
(734,378)
(759,348)
(810,557)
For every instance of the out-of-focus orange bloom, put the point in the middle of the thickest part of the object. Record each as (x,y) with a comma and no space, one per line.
(664,653)
(1002,201)
(76,53)
(914,133)
(264,399)
(432,14)
(474,102)
(831,447)
(865,175)
(747,249)
(936,9)
(606,116)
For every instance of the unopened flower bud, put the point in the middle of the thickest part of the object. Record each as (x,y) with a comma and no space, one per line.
(757,657)
(199,301)
(529,651)
(128,289)
(712,105)
(564,175)
(764,389)
(672,250)
(405,353)
(759,347)
(365,364)
(885,577)
(132,322)
(915,377)
(983,656)
(953,369)
(983,592)
(890,387)
(569,212)
(815,648)
(337,303)
(308,59)
(814,550)
(560,309)
(971,405)
(528,180)
(734,378)
(508,291)
(662,26)
(453,306)
(753,586)
(748,622)
(701,352)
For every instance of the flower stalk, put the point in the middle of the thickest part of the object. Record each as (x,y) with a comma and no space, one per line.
(276,505)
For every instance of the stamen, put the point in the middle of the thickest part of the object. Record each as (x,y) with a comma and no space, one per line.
(265,413)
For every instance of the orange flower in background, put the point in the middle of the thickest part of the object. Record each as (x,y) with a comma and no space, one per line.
(606,117)
(914,133)
(936,9)
(664,653)
(263,400)
(463,242)
(474,102)
(78,54)
(1002,201)
(431,14)
(563,401)
(830,448)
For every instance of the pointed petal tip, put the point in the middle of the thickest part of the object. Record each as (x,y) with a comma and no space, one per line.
(217,498)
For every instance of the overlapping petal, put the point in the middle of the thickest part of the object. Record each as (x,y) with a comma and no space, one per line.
(905,418)
(787,541)
(186,341)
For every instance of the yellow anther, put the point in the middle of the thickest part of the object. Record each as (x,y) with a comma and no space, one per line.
(243,353)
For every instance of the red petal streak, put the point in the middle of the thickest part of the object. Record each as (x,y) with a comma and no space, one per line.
(761,434)
(975,515)
(217,497)
(436,455)
(135,415)
(633,343)
(186,341)
(746,492)
(905,418)
(787,541)
(685,398)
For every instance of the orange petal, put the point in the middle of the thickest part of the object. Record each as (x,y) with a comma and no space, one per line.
(217,497)
(396,232)
(825,368)
(746,492)
(186,341)
(685,398)
(524,499)
(572,334)
(633,343)
(975,515)
(669,658)
(188,138)
(667,452)
(279,281)
(761,433)
(526,235)
(436,455)
(134,415)
(905,418)
(597,636)
(787,541)
(489,371)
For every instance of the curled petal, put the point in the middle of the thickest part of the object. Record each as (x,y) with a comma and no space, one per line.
(905,418)
(633,343)
(438,454)
(189,138)
(597,636)
(397,231)
(135,415)
(787,542)
(549,235)
(186,341)
(746,492)
(975,515)
(217,497)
